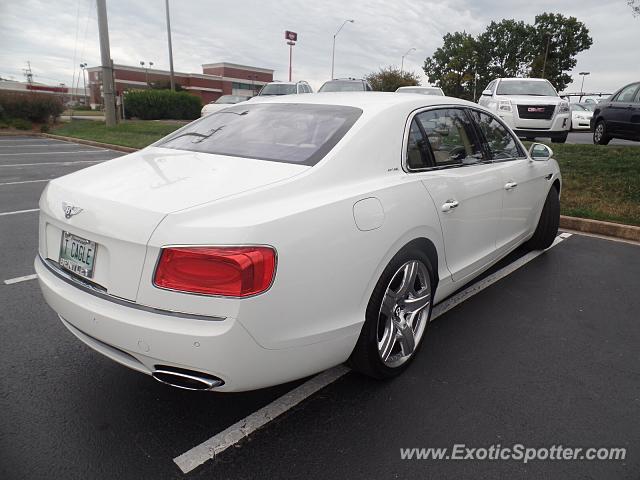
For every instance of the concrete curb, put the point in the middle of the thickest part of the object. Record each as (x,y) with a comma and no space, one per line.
(90,143)
(609,229)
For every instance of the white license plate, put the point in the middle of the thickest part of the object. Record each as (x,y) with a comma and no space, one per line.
(77,254)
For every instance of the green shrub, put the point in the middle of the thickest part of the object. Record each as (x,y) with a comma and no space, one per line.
(35,107)
(162,104)
(21,124)
(44,128)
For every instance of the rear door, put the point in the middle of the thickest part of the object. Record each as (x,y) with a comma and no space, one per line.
(445,153)
(524,183)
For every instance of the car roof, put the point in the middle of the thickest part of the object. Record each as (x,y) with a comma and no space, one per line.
(370,101)
(513,79)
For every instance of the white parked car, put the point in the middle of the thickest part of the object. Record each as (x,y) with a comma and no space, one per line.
(580,117)
(530,106)
(223,102)
(421,90)
(272,240)
(284,88)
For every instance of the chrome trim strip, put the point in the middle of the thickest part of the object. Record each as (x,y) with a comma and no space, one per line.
(97,292)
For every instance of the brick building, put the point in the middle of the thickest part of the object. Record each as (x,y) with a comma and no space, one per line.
(215,80)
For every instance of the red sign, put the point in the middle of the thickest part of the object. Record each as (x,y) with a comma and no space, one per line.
(291,36)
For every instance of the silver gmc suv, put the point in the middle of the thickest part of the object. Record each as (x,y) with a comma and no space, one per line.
(530,106)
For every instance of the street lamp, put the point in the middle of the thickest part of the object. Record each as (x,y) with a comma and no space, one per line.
(402,61)
(333,51)
(583,74)
(146,71)
(83,66)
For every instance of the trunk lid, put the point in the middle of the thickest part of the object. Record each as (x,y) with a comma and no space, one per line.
(123,200)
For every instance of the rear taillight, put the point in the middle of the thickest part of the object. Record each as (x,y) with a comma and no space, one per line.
(225,271)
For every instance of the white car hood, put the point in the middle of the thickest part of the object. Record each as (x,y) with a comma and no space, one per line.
(163,180)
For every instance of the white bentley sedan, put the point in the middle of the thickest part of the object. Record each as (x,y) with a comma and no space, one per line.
(272,240)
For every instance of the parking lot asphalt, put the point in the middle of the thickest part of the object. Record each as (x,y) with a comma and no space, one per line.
(548,355)
(586,138)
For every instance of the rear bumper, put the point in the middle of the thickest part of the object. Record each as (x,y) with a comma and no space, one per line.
(142,339)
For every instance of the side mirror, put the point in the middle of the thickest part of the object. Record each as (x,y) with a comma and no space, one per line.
(488,93)
(540,152)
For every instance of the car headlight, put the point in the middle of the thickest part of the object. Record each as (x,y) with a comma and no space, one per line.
(563,107)
(504,105)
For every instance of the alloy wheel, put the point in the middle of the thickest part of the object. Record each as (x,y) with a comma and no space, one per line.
(404,313)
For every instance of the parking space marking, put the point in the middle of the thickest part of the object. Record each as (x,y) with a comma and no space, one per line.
(97,150)
(25,181)
(52,163)
(2,214)
(11,281)
(239,430)
(220,442)
(446,305)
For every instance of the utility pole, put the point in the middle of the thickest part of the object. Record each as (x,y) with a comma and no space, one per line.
(173,82)
(546,53)
(291,44)
(107,66)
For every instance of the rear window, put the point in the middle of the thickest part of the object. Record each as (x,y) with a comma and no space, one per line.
(342,86)
(290,133)
(278,89)
(526,87)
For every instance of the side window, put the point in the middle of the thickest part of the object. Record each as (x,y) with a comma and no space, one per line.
(451,136)
(491,86)
(500,141)
(637,100)
(627,93)
(417,149)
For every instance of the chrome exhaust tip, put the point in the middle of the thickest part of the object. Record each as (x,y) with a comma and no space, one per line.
(186,379)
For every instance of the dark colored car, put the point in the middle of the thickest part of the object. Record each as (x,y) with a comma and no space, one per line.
(618,116)
(346,85)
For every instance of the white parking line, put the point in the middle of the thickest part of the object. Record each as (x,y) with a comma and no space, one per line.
(446,305)
(236,432)
(51,163)
(24,181)
(217,444)
(20,279)
(2,214)
(99,150)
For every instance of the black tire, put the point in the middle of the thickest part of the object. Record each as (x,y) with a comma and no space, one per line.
(547,228)
(561,139)
(365,357)
(600,135)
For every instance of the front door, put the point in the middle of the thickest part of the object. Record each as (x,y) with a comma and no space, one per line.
(524,183)
(445,153)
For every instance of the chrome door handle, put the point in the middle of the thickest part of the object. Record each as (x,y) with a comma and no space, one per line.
(449,205)
(510,185)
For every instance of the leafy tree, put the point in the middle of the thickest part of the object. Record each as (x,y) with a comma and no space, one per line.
(558,39)
(390,78)
(452,66)
(635,7)
(508,48)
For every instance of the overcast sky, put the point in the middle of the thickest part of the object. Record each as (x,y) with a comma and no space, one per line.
(57,35)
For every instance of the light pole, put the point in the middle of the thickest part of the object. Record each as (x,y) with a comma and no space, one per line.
(83,66)
(402,61)
(146,71)
(583,74)
(333,51)
(107,65)
(171,77)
